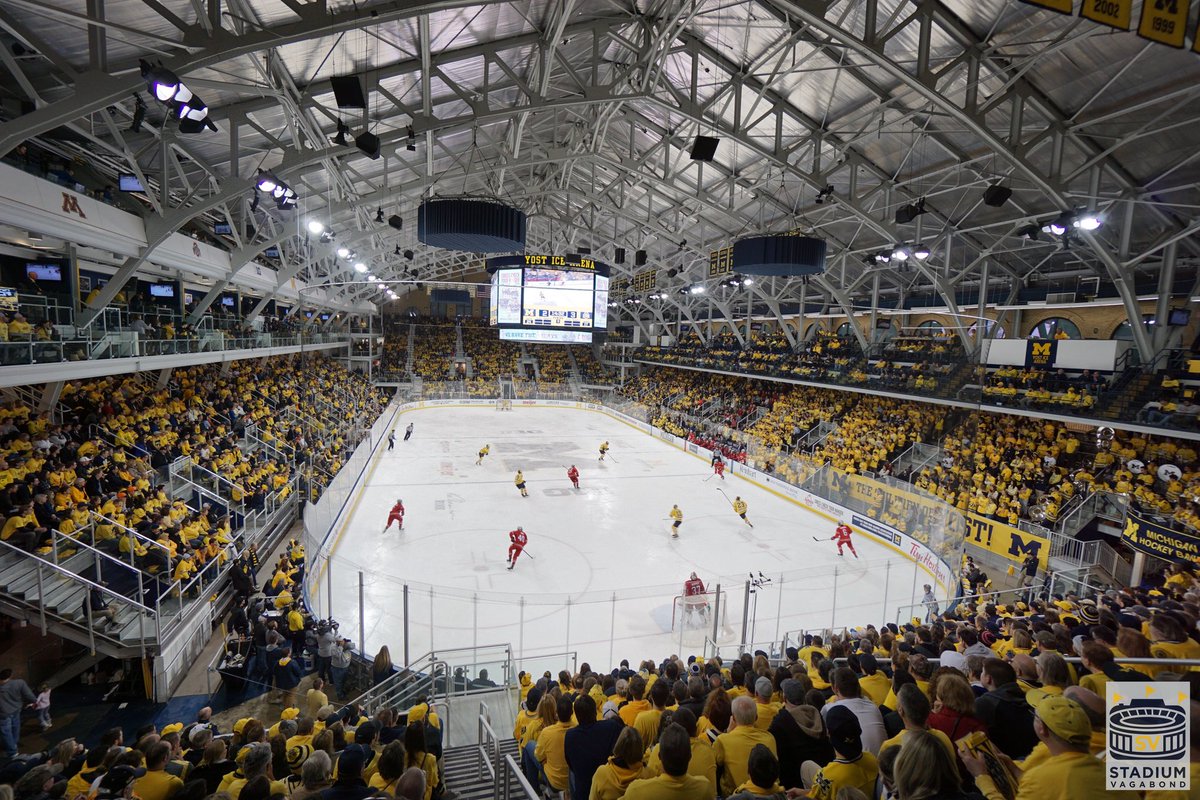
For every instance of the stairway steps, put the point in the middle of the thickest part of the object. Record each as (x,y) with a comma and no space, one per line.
(460,766)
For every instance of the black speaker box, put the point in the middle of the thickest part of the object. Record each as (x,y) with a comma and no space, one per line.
(639,258)
(348,91)
(368,143)
(996,196)
(619,255)
(704,148)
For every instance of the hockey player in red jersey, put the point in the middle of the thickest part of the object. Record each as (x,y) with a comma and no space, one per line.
(693,598)
(573,474)
(719,468)
(842,537)
(395,515)
(519,540)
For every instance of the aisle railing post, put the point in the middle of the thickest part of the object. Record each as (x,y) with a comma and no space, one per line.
(716,616)
(746,611)
(362,623)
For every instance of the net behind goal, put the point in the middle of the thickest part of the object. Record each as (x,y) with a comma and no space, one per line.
(692,615)
(504,405)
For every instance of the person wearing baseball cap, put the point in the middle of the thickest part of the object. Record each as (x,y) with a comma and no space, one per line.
(118,781)
(852,766)
(1063,726)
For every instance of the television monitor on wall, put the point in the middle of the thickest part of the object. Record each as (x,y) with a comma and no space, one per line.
(228,302)
(271,252)
(223,229)
(44,272)
(162,290)
(1179,317)
(128,182)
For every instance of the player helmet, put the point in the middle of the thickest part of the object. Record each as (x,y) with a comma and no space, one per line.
(520,528)
(693,576)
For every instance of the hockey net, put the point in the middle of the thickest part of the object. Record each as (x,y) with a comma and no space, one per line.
(503,404)
(693,614)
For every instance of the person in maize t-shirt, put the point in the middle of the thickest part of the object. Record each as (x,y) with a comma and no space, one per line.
(732,749)
(674,783)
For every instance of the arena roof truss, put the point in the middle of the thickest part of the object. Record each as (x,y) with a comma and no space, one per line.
(831,116)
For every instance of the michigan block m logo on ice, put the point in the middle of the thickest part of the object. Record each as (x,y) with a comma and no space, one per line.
(1148,730)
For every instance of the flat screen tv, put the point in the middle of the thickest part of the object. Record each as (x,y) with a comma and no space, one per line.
(223,229)
(162,290)
(128,182)
(44,272)
(1179,317)
(227,301)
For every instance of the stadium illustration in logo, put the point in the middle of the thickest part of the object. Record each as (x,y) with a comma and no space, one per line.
(1132,725)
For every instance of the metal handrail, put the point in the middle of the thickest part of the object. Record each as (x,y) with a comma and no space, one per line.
(487,740)
(510,771)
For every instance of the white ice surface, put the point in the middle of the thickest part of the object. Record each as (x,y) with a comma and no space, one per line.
(601,570)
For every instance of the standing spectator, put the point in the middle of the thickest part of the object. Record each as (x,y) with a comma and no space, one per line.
(326,642)
(731,750)
(339,666)
(287,677)
(415,756)
(15,694)
(1004,711)
(587,745)
(848,694)
(799,735)
(42,706)
(316,698)
(852,766)
(381,667)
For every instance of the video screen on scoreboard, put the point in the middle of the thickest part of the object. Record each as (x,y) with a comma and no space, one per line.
(557,299)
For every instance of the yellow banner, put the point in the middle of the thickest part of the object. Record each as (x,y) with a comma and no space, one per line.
(1114,13)
(8,299)
(1005,540)
(1061,6)
(1164,21)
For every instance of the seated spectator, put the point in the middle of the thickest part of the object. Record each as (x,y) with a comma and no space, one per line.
(1004,711)
(913,707)
(703,763)
(157,783)
(588,745)
(1070,770)
(549,751)
(732,750)
(674,782)
(799,733)
(764,777)
(411,785)
(852,766)
(923,768)
(848,694)
(625,766)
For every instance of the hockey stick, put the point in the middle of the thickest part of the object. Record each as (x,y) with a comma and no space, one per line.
(709,478)
(815,539)
(722,491)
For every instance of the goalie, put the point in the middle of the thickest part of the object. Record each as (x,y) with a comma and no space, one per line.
(694,600)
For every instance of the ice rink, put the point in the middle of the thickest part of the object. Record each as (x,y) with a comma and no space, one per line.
(601,572)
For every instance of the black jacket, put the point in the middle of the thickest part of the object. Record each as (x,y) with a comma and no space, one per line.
(587,748)
(795,745)
(1009,720)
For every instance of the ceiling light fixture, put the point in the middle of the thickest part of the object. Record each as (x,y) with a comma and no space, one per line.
(920,252)
(342,130)
(343,252)
(315,227)
(360,267)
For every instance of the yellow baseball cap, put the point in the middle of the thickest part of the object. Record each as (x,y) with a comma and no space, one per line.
(289,713)
(174,727)
(240,725)
(1065,718)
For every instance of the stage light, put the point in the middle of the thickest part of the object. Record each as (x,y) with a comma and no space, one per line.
(1088,222)
(884,256)
(408,255)
(162,82)
(1055,227)
(910,211)
(397,251)
(747,281)
(372,278)
(379,215)
(343,252)
(1030,231)
(412,140)
(254,202)
(266,182)
(824,194)
(920,252)
(900,254)
(698,289)
(360,267)
(315,227)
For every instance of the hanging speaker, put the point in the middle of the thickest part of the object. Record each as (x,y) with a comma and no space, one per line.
(639,258)
(996,195)
(704,148)
(348,91)
(619,255)
(368,143)
(397,222)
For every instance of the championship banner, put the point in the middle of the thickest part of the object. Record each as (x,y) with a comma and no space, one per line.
(8,299)
(1005,540)
(1159,540)
(1113,13)
(1061,6)
(1164,21)
(1040,353)
(720,262)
